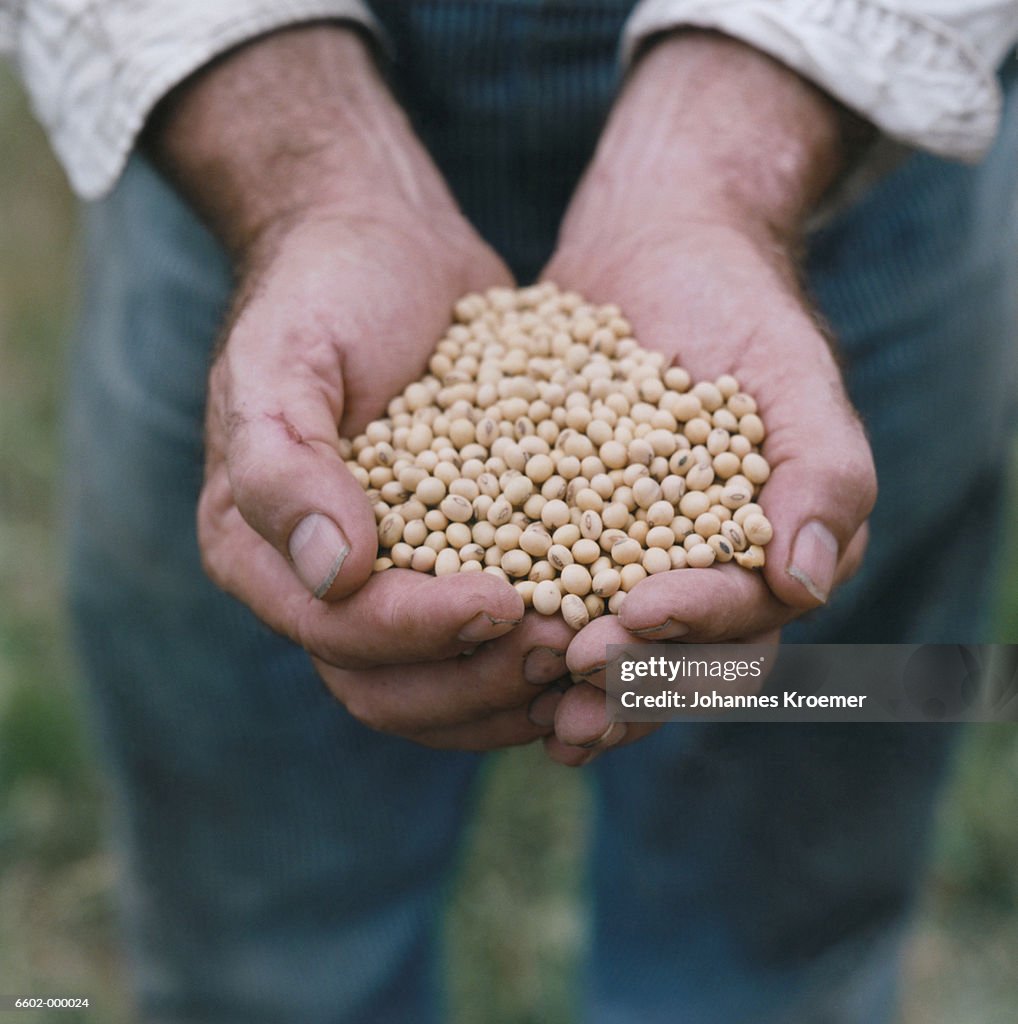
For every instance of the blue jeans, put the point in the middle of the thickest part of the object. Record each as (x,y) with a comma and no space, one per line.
(283,863)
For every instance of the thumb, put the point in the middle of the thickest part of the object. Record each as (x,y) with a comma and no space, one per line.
(817,498)
(280,445)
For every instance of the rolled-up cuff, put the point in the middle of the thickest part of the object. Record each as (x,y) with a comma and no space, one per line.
(919,81)
(95,73)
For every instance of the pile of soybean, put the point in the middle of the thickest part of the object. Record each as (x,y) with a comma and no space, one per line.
(547,447)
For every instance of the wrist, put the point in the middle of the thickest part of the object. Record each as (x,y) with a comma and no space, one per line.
(293,123)
(708,128)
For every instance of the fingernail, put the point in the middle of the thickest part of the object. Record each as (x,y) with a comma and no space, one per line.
(542,708)
(667,630)
(608,738)
(593,670)
(543,664)
(318,550)
(814,559)
(484,627)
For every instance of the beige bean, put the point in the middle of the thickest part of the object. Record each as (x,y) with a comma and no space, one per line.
(646,492)
(694,503)
(547,599)
(507,536)
(535,540)
(656,559)
(755,468)
(415,532)
(516,563)
(707,524)
(518,490)
(758,529)
(402,555)
(697,430)
(723,550)
(560,556)
(437,540)
(726,464)
(576,579)
(615,516)
(447,562)
(700,556)
(752,558)
(626,552)
(566,535)
(591,526)
(423,559)
(606,582)
(500,512)
(574,611)
(456,508)
(638,531)
(700,477)
(751,427)
(614,455)
(660,537)
(750,508)
(458,535)
(554,514)
(435,519)
(630,575)
(661,513)
(465,488)
(390,530)
(539,468)
(430,490)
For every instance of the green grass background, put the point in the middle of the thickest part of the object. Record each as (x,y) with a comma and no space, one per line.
(516,924)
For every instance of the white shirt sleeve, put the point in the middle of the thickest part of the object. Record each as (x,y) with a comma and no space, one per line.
(94,69)
(923,71)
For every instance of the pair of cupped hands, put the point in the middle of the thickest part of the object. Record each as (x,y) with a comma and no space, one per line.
(341,299)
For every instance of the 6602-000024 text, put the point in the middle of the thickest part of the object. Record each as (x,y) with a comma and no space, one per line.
(43,1003)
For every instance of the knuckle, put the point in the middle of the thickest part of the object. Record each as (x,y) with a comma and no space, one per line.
(212,540)
(861,477)
(253,481)
(368,710)
(493,680)
(505,696)
(306,628)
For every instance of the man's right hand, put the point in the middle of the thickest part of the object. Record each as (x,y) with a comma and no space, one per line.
(350,254)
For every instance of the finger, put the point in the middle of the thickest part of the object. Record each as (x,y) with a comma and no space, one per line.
(401,616)
(541,710)
(851,559)
(276,397)
(585,728)
(823,483)
(397,616)
(702,605)
(587,654)
(504,729)
(423,698)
